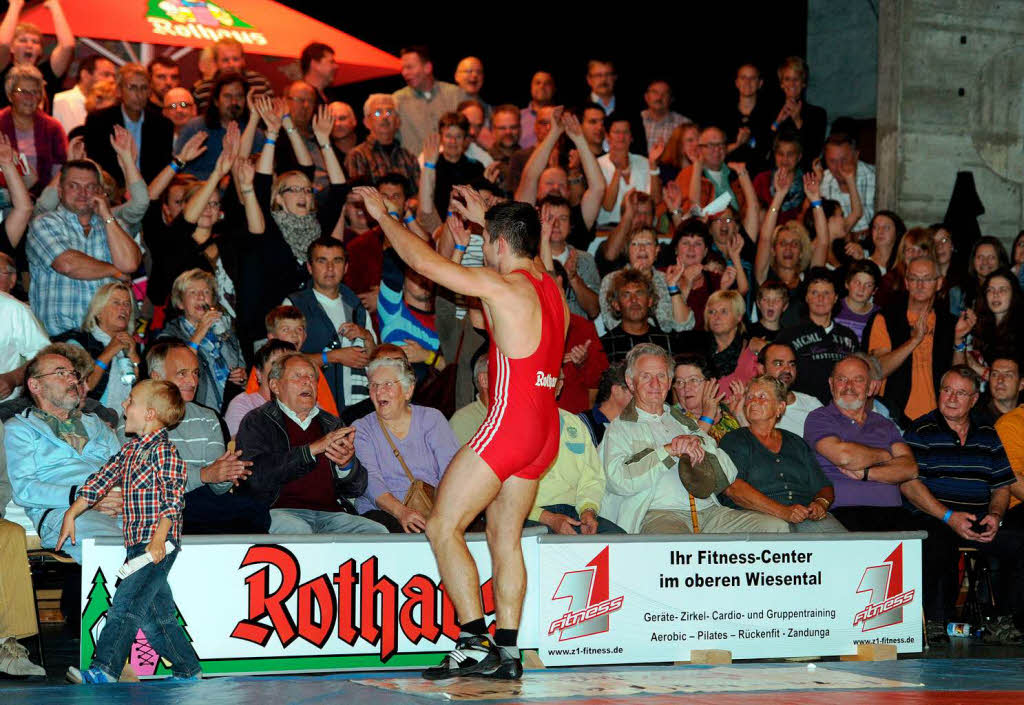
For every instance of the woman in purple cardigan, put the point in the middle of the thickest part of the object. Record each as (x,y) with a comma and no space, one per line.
(421,434)
(32,132)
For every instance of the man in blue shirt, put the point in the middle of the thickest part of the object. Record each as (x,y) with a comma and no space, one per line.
(960,497)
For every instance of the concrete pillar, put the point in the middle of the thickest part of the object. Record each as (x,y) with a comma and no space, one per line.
(951,98)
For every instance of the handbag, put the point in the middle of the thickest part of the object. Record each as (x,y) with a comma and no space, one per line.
(437,389)
(420,496)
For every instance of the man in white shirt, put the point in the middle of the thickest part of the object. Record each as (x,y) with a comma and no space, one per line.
(779,361)
(624,171)
(21,337)
(663,471)
(840,152)
(69,105)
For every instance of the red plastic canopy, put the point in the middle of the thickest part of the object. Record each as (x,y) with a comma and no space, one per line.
(262,26)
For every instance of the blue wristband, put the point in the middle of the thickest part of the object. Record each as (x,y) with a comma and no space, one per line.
(430,165)
(816,204)
(708,420)
(946,516)
(959,347)
(323,356)
(408,219)
(269,141)
(394,214)
(460,248)
(102,365)
(194,346)
(775,125)
(175,168)
(673,290)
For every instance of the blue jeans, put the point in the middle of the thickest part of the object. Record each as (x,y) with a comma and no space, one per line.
(89,525)
(144,601)
(603,525)
(312,521)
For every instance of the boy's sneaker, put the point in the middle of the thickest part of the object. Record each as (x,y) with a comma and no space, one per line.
(472,655)
(14,660)
(510,669)
(92,676)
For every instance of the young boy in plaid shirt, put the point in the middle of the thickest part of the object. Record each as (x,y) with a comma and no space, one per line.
(152,476)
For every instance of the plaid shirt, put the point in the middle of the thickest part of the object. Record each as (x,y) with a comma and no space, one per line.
(661,130)
(152,476)
(370,161)
(617,343)
(58,300)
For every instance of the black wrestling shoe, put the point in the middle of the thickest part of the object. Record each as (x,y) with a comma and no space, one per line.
(472,655)
(510,669)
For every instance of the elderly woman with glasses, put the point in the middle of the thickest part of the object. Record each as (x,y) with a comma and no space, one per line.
(205,328)
(32,132)
(398,432)
(696,393)
(777,474)
(106,334)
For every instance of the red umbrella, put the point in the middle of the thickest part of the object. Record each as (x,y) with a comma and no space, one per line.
(262,26)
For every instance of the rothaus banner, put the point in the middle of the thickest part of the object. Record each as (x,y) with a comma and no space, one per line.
(638,601)
(301,605)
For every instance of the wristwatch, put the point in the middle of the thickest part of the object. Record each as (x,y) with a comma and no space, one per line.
(109,220)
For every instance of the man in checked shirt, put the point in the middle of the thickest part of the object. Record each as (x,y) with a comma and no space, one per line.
(152,476)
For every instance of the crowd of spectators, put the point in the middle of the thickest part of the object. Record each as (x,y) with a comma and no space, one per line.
(753,347)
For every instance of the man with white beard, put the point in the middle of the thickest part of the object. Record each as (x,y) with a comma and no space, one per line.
(860,451)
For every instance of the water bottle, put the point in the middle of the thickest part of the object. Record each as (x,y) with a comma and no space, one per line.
(962,630)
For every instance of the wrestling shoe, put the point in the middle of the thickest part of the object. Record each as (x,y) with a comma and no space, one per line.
(472,655)
(510,669)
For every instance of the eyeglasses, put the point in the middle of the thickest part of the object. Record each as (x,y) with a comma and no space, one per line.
(180,104)
(680,383)
(712,145)
(383,113)
(297,189)
(388,386)
(920,280)
(958,393)
(31,92)
(61,372)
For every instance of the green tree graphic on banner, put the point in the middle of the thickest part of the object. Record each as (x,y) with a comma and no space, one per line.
(161,667)
(95,608)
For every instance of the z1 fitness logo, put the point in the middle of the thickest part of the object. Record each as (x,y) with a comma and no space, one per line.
(589,606)
(884,583)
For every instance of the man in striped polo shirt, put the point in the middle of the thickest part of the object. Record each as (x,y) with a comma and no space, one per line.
(960,497)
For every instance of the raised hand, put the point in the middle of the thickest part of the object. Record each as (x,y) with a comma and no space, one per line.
(323,123)
(710,397)
(570,263)
(474,208)
(655,152)
(268,113)
(373,201)
(572,127)
(728,278)
(849,170)
(673,274)
(812,186)
(193,147)
(243,172)
(742,135)
(76,148)
(7,155)
(492,172)
(673,196)
(431,148)
(558,119)
(782,180)
(122,142)
(964,324)
(460,233)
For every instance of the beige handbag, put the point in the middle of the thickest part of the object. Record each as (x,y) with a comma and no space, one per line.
(420,497)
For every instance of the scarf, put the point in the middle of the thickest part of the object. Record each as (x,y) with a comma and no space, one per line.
(120,377)
(71,431)
(298,231)
(210,351)
(795,196)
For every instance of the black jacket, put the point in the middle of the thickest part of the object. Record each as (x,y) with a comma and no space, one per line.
(154,152)
(264,440)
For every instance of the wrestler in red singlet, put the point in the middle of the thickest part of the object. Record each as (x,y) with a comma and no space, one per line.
(520,434)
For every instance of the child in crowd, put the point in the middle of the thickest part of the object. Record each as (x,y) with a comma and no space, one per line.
(152,477)
(772,301)
(857,307)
